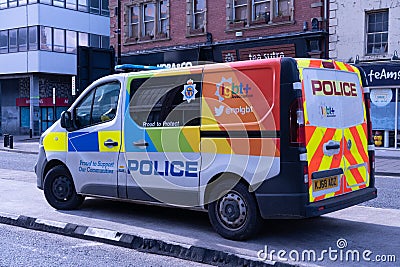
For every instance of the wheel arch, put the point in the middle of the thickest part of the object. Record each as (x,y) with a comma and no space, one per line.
(51,164)
(230,177)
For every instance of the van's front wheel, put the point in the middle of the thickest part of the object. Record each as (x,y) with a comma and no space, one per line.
(59,189)
(235,214)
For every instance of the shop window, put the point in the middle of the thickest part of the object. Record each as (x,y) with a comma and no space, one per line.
(46,117)
(3,42)
(160,102)
(377,32)
(25,117)
(98,106)
(197,16)
(148,21)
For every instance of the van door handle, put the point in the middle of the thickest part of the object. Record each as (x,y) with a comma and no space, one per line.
(110,143)
(335,146)
(140,143)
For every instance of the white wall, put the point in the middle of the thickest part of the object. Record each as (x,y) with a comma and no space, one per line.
(38,61)
(347,28)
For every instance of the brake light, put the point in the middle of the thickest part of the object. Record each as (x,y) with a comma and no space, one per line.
(297,129)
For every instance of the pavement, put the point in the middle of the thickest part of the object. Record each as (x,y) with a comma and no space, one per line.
(387,164)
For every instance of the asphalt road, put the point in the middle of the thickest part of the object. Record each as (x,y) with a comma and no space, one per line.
(22,247)
(374,226)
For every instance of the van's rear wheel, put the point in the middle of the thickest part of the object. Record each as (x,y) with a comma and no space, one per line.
(235,214)
(59,189)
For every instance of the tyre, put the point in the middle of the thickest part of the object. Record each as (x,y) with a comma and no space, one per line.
(235,214)
(59,189)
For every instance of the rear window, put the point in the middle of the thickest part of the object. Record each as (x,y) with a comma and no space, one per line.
(333,98)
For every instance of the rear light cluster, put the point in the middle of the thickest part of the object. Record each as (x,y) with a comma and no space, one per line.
(297,129)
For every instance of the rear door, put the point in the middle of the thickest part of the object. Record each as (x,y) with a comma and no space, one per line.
(336,132)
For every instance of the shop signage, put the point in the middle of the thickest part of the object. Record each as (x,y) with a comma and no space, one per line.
(43,102)
(382,74)
(262,52)
(381,97)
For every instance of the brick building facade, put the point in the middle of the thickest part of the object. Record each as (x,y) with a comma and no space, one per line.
(155,32)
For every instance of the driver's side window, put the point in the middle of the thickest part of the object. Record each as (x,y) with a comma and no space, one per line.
(99,105)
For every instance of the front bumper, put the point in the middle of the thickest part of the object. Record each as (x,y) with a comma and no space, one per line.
(39,167)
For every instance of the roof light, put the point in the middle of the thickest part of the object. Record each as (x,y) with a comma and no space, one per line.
(132,67)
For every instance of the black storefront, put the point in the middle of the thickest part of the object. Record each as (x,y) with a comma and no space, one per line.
(303,44)
(383,79)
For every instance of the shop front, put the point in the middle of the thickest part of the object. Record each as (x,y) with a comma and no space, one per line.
(304,45)
(50,111)
(384,83)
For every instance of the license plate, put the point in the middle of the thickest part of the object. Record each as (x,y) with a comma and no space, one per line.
(325,183)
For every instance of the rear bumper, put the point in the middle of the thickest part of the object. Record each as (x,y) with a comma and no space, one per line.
(340,202)
(297,206)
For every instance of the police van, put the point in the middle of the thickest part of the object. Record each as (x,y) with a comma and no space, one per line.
(245,141)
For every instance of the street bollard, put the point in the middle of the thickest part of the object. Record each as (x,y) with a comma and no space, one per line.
(11,141)
(6,136)
(30,133)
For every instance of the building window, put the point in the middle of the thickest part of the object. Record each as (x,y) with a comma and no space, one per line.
(12,41)
(12,3)
(149,17)
(240,10)
(134,22)
(22,2)
(59,3)
(22,39)
(94,40)
(164,18)
(3,42)
(71,41)
(250,12)
(105,42)
(59,40)
(148,21)
(3,4)
(46,38)
(71,4)
(198,16)
(377,32)
(83,39)
(33,38)
(83,5)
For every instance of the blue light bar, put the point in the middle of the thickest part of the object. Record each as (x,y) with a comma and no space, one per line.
(132,67)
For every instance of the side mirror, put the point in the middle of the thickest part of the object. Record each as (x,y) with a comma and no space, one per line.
(66,120)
